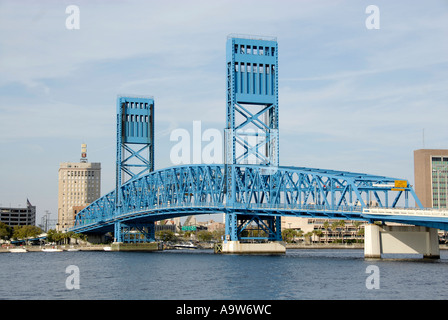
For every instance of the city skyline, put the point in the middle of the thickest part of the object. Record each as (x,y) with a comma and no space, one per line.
(350,98)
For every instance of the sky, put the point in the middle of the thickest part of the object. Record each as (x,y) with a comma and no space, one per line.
(350,98)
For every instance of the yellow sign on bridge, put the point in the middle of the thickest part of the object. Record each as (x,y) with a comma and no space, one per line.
(400,185)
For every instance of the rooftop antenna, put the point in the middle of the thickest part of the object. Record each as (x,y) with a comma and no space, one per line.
(423,137)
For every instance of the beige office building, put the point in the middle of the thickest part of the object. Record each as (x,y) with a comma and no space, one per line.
(79,185)
(349,231)
(431,177)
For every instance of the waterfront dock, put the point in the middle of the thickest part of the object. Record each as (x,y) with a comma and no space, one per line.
(97,247)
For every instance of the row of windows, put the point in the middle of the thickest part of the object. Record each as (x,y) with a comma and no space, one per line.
(88,192)
(80,173)
(255,68)
(15,219)
(14,211)
(136,118)
(79,193)
(439,159)
(14,215)
(137,105)
(90,180)
(257,50)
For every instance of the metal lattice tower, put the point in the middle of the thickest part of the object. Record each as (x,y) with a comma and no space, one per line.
(251,134)
(252,101)
(135,150)
(135,137)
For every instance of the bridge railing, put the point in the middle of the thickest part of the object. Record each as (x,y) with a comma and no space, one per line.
(407,212)
(296,206)
(239,205)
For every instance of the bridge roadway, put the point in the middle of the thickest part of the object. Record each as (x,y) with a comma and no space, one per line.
(255,190)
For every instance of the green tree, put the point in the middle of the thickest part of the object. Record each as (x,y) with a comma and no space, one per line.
(5,231)
(166,235)
(342,225)
(55,236)
(218,234)
(187,234)
(360,233)
(23,232)
(308,236)
(334,227)
(288,235)
(204,235)
(326,226)
(357,225)
(318,234)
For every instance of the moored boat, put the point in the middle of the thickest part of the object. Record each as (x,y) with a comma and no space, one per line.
(188,245)
(17,250)
(51,250)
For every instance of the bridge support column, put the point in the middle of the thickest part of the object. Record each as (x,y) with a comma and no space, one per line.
(237,247)
(134,232)
(401,240)
(240,227)
(117,232)
(231,227)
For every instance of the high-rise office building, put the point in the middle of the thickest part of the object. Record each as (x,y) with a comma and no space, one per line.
(79,185)
(431,177)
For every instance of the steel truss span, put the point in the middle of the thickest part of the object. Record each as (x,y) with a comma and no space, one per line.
(261,191)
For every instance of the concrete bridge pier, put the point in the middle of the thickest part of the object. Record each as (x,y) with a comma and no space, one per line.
(238,234)
(400,240)
(237,247)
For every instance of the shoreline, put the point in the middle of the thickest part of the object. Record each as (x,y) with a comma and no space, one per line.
(291,246)
(99,247)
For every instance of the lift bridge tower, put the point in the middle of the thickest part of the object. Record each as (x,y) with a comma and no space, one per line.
(251,134)
(135,157)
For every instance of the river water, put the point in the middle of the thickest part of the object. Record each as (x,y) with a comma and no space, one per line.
(201,274)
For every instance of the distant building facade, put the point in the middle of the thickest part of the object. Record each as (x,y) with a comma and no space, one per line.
(349,231)
(19,216)
(431,177)
(79,185)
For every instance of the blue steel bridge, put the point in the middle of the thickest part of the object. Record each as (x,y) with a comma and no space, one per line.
(249,194)
(261,195)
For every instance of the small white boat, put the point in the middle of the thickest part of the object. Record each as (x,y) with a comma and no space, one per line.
(107,248)
(185,246)
(51,250)
(72,249)
(16,250)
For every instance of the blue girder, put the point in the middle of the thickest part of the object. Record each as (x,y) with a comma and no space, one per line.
(259,190)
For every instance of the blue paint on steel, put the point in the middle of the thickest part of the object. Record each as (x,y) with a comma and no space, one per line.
(135,149)
(135,137)
(251,134)
(289,191)
(258,193)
